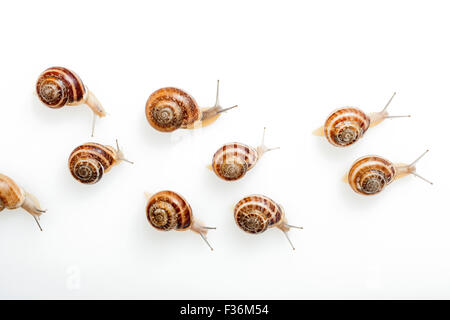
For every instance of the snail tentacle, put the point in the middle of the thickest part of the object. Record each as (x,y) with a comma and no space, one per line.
(289,239)
(13,197)
(262,148)
(120,155)
(378,117)
(411,168)
(202,231)
(209,115)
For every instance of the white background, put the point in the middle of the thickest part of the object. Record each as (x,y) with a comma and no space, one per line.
(287,64)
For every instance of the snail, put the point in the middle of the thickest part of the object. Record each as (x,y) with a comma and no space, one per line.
(167,210)
(57,87)
(371,174)
(257,213)
(168,109)
(88,162)
(12,197)
(233,160)
(347,125)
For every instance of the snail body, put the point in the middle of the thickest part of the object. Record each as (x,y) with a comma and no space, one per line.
(13,197)
(88,162)
(57,87)
(168,109)
(347,125)
(369,175)
(233,160)
(168,210)
(256,213)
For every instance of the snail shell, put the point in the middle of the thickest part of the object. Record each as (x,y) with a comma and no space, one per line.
(11,195)
(257,213)
(167,210)
(88,162)
(369,175)
(168,109)
(345,126)
(233,160)
(58,86)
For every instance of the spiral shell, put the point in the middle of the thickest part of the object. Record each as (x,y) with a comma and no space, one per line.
(257,213)
(167,210)
(233,160)
(88,162)
(11,195)
(58,86)
(345,126)
(168,109)
(369,175)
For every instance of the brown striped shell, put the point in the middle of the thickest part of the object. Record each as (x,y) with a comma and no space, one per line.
(11,195)
(345,126)
(88,162)
(168,109)
(233,160)
(257,213)
(167,210)
(58,86)
(369,175)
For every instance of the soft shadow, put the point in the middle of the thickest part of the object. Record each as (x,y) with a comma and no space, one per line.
(329,151)
(357,201)
(48,115)
(161,139)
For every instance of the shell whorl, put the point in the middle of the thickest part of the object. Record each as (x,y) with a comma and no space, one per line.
(58,86)
(167,210)
(257,213)
(345,126)
(168,109)
(233,160)
(369,175)
(88,162)
(11,195)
